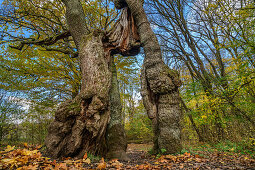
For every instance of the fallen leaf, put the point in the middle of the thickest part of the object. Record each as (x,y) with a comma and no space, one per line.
(38,146)
(68,161)
(181,166)
(25,145)
(85,156)
(9,148)
(62,166)
(88,161)
(30,167)
(163,161)
(140,167)
(102,164)
(197,156)
(187,154)
(113,160)
(232,149)
(117,164)
(171,157)
(8,161)
(199,160)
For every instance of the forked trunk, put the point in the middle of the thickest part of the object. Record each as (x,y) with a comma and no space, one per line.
(81,124)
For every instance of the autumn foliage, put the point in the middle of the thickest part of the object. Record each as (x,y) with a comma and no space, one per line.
(30,158)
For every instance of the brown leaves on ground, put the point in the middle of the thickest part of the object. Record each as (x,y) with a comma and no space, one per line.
(102,164)
(30,158)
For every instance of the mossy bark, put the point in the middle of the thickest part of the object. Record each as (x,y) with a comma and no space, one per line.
(165,112)
(159,84)
(116,137)
(81,124)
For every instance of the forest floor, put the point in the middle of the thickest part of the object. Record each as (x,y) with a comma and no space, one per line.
(30,158)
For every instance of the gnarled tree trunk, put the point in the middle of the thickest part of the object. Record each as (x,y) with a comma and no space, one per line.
(159,84)
(80,125)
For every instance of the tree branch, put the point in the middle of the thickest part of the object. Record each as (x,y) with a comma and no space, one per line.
(48,41)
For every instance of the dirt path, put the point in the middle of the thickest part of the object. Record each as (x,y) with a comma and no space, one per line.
(140,159)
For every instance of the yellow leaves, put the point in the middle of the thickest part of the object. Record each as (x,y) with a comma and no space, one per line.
(232,149)
(9,148)
(203,116)
(10,162)
(28,152)
(87,161)
(23,159)
(25,145)
(20,158)
(30,167)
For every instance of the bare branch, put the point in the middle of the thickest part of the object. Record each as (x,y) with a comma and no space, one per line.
(48,41)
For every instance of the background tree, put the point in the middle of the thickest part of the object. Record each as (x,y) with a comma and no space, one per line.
(208,39)
(11,112)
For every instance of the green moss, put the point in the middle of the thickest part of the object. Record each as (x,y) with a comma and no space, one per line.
(75,105)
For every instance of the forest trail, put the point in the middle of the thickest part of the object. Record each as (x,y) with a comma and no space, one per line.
(29,157)
(140,159)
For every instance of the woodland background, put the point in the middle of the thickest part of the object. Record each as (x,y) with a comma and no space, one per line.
(210,43)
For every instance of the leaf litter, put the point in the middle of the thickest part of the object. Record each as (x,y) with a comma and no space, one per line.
(31,158)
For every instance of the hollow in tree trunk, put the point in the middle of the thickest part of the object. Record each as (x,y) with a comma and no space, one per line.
(91,122)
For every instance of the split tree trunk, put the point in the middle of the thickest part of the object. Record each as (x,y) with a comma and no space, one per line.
(80,124)
(92,121)
(159,84)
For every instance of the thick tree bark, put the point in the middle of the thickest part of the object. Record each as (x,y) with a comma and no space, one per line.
(159,85)
(116,137)
(80,124)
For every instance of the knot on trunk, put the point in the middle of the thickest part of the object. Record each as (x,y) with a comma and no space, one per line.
(162,79)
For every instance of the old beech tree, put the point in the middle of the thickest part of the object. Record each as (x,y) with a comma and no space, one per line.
(159,84)
(92,121)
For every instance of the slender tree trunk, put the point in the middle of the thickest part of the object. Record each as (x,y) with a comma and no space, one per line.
(200,137)
(116,137)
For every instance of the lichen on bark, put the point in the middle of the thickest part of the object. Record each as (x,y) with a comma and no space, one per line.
(84,120)
(159,84)
(80,124)
(163,109)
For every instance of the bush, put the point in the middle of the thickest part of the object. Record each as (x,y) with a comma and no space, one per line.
(139,130)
